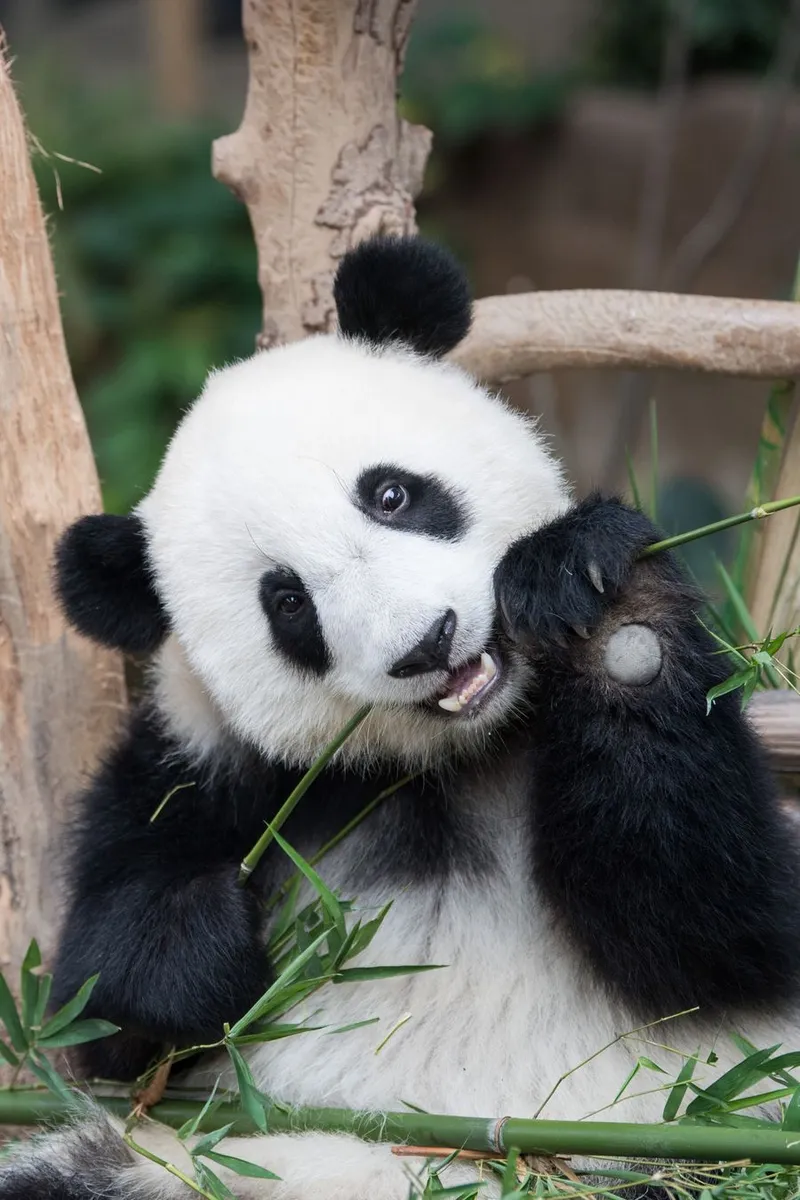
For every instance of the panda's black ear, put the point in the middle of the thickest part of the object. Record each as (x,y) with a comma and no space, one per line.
(403,289)
(105,586)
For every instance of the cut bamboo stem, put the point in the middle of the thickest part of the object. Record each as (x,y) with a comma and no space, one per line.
(491,1135)
(692,535)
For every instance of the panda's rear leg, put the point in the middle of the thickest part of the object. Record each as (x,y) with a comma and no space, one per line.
(88,1160)
(83,1160)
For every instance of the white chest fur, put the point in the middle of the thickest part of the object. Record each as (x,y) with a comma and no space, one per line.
(512,1011)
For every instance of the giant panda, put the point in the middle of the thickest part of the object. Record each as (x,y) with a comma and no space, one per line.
(352,520)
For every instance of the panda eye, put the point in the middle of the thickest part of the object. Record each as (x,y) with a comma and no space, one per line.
(289,603)
(394,498)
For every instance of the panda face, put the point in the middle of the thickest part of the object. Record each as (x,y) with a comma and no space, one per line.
(323,534)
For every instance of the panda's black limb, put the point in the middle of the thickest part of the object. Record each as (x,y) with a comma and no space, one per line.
(155,905)
(658,837)
(85,1159)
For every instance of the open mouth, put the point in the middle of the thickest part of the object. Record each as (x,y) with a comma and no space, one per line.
(469,687)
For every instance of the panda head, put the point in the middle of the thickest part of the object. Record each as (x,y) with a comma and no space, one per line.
(323,534)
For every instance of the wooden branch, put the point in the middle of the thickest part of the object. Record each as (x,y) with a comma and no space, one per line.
(514,336)
(59,695)
(776,718)
(321,158)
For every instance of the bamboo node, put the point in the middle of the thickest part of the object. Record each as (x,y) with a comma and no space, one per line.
(497,1135)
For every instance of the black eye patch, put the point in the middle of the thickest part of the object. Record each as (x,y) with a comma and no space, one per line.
(412,503)
(293,620)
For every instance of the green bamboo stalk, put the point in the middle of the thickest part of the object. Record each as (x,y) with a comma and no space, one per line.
(754,514)
(710,1143)
(253,857)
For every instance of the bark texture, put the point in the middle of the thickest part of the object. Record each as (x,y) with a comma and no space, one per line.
(59,696)
(517,335)
(321,158)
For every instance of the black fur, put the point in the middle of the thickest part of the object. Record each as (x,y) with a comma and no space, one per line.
(297,635)
(104,583)
(85,1160)
(393,289)
(155,907)
(42,1180)
(431,653)
(656,829)
(544,586)
(432,509)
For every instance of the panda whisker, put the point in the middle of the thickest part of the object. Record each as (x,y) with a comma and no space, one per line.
(259,548)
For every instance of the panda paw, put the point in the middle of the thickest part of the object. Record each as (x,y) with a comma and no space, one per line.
(557,583)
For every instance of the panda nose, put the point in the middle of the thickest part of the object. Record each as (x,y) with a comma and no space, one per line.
(431,653)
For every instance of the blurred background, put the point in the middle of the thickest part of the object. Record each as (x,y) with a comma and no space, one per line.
(578,143)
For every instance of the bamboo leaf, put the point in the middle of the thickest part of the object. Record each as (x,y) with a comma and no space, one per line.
(273,1033)
(286,976)
(733,1082)
(42,1000)
(211,1182)
(8,1054)
(10,1018)
(29,984)
(190,1127)
(77,1033)
(72,1009)
(365,933)
(354,1025)
(642,1062)
(678,1091)
(285,916)
(731,684)
(325,894)
(289,996)
(250,1097)
(49,1076)
(359,974)
(241,1166)
(212,1139)
(791,1114)
(510,1171)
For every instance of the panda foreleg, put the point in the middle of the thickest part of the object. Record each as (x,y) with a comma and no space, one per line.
(658,838)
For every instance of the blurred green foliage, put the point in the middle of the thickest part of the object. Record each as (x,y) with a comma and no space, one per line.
(156,268)
(727,35)
(463,79)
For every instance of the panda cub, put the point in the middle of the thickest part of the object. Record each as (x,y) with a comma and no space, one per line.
(351,520)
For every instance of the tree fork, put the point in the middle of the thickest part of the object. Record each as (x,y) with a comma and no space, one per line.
(321,158)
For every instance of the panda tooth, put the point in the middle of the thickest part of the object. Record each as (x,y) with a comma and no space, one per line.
(487,662)
(451,704)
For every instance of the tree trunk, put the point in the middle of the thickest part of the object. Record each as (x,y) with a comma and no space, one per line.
(59,695)
(321,158)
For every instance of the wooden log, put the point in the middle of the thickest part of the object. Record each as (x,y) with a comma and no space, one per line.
(59,695)
(776,717)
(514,336)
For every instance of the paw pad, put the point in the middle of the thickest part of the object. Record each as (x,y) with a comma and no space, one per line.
(633,655)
